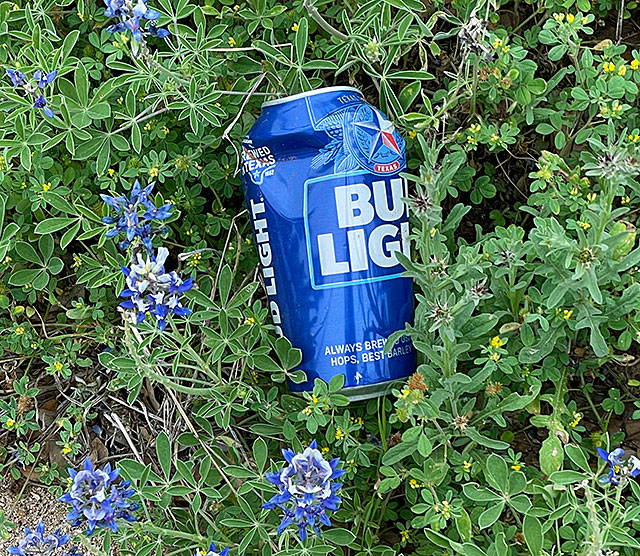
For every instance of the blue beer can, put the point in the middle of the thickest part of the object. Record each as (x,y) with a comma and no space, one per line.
(321,178)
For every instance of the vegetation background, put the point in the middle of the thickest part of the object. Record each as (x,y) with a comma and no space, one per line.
(522,128)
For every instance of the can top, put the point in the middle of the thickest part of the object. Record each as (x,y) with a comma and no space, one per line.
(308,94)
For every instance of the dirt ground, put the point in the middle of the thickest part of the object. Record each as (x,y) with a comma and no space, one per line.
(36,503)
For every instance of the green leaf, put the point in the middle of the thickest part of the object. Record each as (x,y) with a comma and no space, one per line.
(463,525)
(490,515)
(23,277)
(51,225)
(341,537)
(260,453)
(551,454)
(497,472)
(398,452)
(533,536)
(567,477)
(164,453)
(224,284)
(28,253)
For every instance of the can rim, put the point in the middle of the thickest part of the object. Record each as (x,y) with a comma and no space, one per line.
(308,94)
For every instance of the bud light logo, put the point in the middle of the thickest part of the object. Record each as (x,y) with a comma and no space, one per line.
(354,225)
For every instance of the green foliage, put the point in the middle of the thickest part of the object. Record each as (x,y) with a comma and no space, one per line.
(523,137)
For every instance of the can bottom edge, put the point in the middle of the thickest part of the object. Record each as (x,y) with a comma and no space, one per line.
(368,391)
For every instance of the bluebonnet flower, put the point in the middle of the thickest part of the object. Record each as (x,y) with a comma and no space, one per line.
(131,18)
(17,77)
(619,469)
(134,215)
(306,491)
(42,80)
(41,102)
(96,500)
(152,291)
(212,551)
(36,543)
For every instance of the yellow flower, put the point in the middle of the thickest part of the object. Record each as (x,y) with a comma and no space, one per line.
(494,357)
(10,423)
(558,17)
(635,64)
(34,346)
(516,466)
(154,172)
(577,417)
(584,225)
(294,27)
(584,20)
(622,70)
(494,138)
(7,259)
(566,314)
(432,232)
(625,200)
(66,449)
(307,411)
(248,240)
(609,67)
(414,484)
(573,191)
(165,130)
(405,535)
(58,366)
(634,138)
(111,171)
(314,398)
(446,509)
(147,127)
(474,128)
(250,321)
(591,197)
(497,43)
(471,140)
(616,107)
(412,134)
(46,186)
(339,434)
(358,420)
(496,342)
(571,18)
(120,100)
(232,42)
(19,331)
(466,465)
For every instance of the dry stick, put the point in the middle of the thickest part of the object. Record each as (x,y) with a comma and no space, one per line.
(225,134)
(224,251)
(113,417)
(619,22)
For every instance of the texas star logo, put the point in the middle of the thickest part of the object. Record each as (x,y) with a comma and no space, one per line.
(377,143)
(360,137)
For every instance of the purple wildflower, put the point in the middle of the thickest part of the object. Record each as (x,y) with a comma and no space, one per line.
(212,551)
(35,543)
(17,77)
(132,16)
(134,215)
(306,491)
(97,500)
(619,469)
(152,291)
